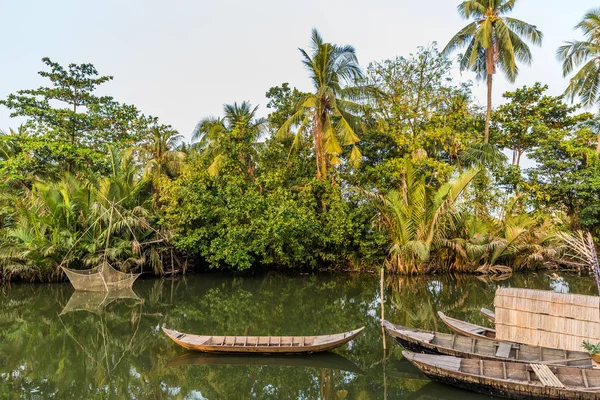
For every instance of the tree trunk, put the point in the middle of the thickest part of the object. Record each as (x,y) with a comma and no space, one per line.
(317,135)
(488,114)
(598,145)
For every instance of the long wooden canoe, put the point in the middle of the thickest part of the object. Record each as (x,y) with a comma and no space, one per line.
(467,347)
(510,379)
(489,314)
(261,344)
(327,360)
(466,328)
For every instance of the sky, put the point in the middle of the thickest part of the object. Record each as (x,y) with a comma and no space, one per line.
(182,60)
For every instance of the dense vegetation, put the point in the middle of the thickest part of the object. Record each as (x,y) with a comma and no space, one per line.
(394,164)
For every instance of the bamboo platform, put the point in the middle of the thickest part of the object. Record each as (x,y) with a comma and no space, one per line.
(546,318)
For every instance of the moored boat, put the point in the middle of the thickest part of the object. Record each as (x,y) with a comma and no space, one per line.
(467,328)
(261,344)
(510,379)
(418,340)
(488,314)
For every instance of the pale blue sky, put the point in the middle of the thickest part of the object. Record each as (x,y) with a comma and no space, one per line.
(181,60)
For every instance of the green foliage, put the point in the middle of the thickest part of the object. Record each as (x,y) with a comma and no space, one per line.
(493,41)
(423,193)
(69,221)
(329,114)
(591,348)
(586,82)
(68,125)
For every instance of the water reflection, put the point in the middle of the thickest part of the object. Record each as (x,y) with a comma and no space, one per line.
(96,302)
(118,351)
(327,360)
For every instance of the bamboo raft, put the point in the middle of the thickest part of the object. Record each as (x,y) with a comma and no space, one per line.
(488,314)
(478,348)
(261,344)
(510,379)
(466,328)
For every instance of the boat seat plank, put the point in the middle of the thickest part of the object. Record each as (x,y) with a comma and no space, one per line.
(504,349)
(424,336)
(546,376)
(584,376)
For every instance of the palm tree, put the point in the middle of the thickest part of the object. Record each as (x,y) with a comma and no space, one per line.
(161,151)
(493,41)
(239,125)
(417,217)
(329,114)
(586,82)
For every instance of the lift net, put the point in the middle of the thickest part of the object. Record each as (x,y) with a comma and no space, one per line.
(100,279)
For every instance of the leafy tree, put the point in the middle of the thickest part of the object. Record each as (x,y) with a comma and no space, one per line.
(586,82)
(68,122)
(493,41)
(416,104)
(283,101)
(329,114)
(566,176)
(527,118)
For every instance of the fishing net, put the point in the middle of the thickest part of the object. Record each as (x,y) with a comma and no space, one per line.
(100,279)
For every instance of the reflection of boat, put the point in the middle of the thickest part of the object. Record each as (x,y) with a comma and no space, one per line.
(439,391)
(461,346)
(489,314)
(404,369)
(100,279)
(466,328)
(261,344)
(321,360)
(95,302)
(510,379)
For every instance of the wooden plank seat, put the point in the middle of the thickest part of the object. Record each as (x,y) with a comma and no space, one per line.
(504,349)
(546,376)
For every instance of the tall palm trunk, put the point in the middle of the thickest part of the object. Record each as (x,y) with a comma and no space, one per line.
(598,144)
(488,114)
(319,151)
(490,63)
(318,147)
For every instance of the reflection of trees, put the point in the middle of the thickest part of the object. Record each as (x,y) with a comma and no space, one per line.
(122,353)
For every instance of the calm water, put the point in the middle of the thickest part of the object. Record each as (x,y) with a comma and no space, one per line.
(55,343)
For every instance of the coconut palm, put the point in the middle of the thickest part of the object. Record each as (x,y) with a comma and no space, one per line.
(493,41)
(328,114)
(161,151)
(586,82)
(239,125)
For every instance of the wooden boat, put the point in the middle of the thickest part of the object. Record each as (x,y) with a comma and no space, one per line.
(489,314)
(261,344)
(467,347)
(466,328)
(327,360)
(510,379)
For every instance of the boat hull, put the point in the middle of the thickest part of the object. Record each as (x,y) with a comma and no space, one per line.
(261,344)
(498,387)
(466,328)
(446,344)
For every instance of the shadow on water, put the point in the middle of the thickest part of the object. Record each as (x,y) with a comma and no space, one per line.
(327,360)
(51,349)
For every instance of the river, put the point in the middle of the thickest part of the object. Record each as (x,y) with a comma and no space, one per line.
(57,343)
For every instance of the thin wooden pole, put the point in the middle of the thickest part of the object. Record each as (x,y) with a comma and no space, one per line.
(381,295)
